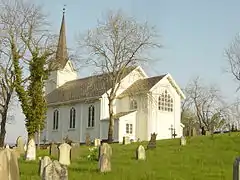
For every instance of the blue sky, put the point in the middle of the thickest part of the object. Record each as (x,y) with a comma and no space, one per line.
(194,35)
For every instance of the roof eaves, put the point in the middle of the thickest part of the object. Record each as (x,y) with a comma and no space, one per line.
(85,100)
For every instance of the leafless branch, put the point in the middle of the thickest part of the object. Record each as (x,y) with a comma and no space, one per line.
(117,43)
(233,58)
(207,103)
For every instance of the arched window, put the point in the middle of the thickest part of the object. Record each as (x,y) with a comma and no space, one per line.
(91,116)
(72,118)
(55,119)
(165,102)
(133,104)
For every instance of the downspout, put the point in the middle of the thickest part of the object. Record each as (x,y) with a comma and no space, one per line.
(100,117)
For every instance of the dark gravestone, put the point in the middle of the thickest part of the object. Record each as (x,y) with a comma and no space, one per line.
(88,140)
(152,142)
(236,175)
(53,151)
(74,153)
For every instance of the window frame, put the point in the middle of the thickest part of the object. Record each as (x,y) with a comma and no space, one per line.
(129,128)
(72,118)
(91,116)
(55,119)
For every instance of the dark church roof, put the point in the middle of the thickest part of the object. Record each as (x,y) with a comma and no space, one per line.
(89,88)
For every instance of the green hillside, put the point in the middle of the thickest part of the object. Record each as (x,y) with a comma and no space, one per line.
(203,158)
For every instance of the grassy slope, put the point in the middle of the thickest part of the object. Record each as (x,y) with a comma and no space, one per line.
(204,158)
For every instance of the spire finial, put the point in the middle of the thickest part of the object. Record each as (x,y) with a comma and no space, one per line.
(64,8)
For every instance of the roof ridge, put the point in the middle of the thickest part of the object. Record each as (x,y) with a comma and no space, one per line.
(96,75)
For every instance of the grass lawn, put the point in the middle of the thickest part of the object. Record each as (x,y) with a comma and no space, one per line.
(203,158)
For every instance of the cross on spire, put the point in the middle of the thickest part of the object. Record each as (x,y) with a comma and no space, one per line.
(64,9)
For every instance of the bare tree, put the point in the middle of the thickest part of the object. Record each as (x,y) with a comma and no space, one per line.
(233,58)
(207,104)
(117,43)
(29,44)
(6,93)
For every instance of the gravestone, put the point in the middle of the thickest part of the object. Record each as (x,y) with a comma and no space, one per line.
(9,169)
(43,162)
(236,167)
(31,150)
(97,142)
(88,140)
(193,132)
(64,154)
(55,171)
(74,152)
(16,151)
(104,163)
(126,140)
(7,146)
(152,142)
(20,145)
(73,144)
(105,148)
(53,151)
(25,147)
(140,153)
(183,141)
(208,133)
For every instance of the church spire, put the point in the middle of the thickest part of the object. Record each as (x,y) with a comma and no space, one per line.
(61,54)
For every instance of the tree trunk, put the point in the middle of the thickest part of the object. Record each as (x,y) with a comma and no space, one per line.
(3,129)
(111,121)
(39,136)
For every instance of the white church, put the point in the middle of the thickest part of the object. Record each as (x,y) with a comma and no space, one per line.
(79,107)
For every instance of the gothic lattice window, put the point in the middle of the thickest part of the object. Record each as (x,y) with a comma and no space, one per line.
(165,102)
(55,119)
(91,116)
(72,118)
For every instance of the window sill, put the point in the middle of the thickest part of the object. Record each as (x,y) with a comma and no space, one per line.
(55,130)
(71,129)
(90,127)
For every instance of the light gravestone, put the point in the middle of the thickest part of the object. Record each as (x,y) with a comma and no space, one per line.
(104,163)
(64,154)
(25,147)
(183,141)
(141,153)
(236,169)
(55,171)
(126,140)
(16,152)
(97,142)
(20,145)
(9,169)
(43,162)
(31,150)
(105,148)
(208,133)
(7,146)
(194,131)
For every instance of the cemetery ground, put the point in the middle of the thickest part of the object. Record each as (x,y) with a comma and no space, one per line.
(209,158)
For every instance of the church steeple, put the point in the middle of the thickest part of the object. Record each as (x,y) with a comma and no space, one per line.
(61,54)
